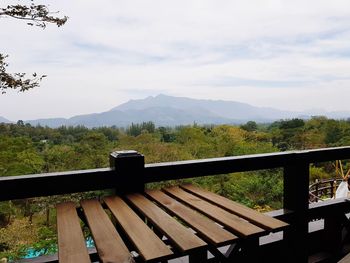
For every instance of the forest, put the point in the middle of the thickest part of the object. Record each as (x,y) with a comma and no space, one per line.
(27,227)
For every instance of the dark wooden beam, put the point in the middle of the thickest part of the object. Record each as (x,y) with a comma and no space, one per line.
(16,187)
(316,210)
(128,168)
(214,166)
(25,186)
(296,199)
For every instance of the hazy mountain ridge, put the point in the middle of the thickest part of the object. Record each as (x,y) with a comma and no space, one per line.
(228,109)
(162,116)
(231,110)
(4,120)
(166,110)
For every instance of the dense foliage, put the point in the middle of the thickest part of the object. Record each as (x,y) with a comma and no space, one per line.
(25,149)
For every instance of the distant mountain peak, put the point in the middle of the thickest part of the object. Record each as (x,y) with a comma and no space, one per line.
(161,95)
(166,110)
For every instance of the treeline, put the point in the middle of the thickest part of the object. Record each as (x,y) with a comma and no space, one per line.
(317,132)
(25,149)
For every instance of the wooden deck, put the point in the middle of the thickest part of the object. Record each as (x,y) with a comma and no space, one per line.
(128,174)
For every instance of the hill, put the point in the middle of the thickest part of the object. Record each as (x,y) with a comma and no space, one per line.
(2,119)
(233,110)
(166,110)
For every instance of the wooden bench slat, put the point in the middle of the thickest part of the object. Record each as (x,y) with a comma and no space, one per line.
(345,259)
(148,244)
(182,237)
(109,244)
(213,232)
(236,224)
(247,213)
(71,242)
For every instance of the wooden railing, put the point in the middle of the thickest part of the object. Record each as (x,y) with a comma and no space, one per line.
(129,173)
(323,189)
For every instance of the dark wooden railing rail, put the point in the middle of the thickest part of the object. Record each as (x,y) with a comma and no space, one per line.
(45,184)
(323,189)
(128,172)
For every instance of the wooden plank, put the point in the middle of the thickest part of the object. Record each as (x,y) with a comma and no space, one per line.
(206,227)
(148,244)
(247,213)
(109,244)
(238,225)
(181,236)
(71,242)
(345,259)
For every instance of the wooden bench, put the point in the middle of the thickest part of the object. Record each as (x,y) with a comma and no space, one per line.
(159,225)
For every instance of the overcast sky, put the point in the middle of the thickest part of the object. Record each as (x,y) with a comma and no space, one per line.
(287,54)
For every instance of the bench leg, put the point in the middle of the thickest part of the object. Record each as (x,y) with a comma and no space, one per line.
(245,251)
(198,256)
(333,228)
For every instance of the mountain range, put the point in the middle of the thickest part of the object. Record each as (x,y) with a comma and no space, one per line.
(2,119)
(166,110)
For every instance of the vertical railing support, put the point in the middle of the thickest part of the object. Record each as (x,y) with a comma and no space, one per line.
(334,188)
(129,168)
(296,194)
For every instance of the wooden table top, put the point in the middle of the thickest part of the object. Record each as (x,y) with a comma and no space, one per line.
(157,225)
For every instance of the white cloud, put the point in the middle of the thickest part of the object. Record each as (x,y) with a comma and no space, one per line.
(111,51)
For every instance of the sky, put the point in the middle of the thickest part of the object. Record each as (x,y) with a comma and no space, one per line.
(286,54)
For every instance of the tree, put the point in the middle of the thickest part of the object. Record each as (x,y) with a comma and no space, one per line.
(35,15)
(287,134)
(17,237)
(137,129)
(18,156)
(250,126)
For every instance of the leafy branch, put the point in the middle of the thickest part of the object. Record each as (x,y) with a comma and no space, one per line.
(36,15)
(16,80)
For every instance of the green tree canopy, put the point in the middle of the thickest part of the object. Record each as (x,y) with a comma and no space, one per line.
(250,126)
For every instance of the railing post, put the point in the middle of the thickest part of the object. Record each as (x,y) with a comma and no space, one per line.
(296,194)
(331,189)
(129,171)
(334,188)
(317,184)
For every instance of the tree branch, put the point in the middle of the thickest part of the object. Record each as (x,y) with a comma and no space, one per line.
(38,15)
